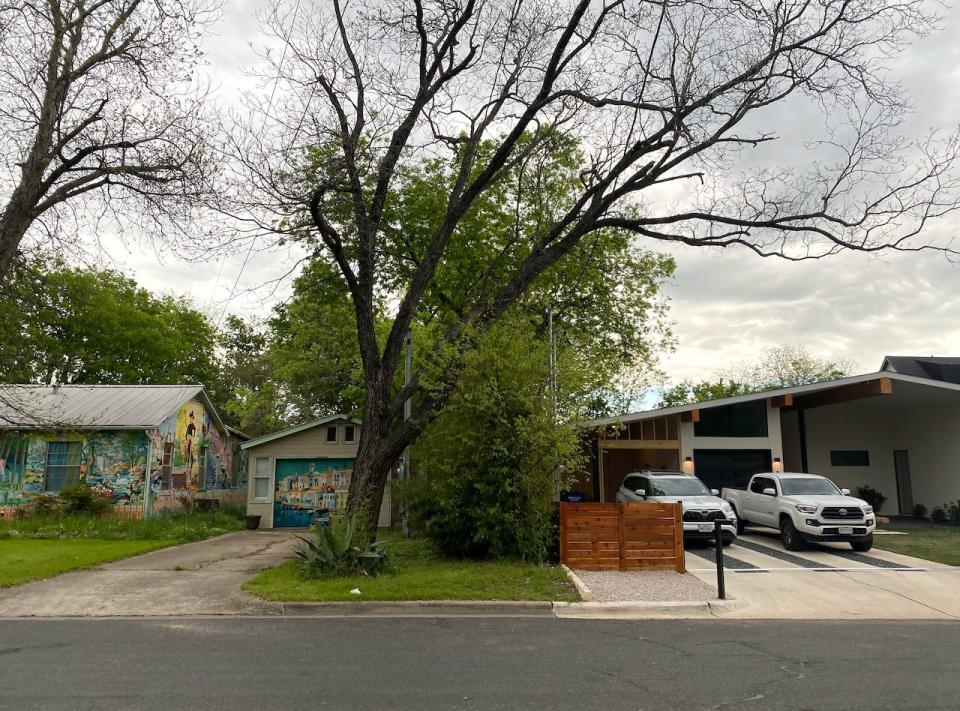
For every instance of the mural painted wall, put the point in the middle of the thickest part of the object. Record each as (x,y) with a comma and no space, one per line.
(112,463)
(189,456)
(309,491)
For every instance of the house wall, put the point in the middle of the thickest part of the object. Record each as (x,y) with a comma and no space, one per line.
(932,437)
(112,462)
(853,426)
(191,458)
(773,441)
(307,445)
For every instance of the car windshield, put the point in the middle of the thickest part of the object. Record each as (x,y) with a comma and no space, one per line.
(679,486)
(804,487)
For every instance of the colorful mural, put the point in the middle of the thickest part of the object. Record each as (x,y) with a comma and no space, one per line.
(309,491)
(189,456)
(112,463)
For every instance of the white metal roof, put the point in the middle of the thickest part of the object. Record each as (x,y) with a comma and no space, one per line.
(95,406)
(297,428)
(795,390)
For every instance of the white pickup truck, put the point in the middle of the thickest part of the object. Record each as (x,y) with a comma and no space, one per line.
(805,507)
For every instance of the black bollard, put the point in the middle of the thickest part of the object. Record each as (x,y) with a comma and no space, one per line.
(718,540)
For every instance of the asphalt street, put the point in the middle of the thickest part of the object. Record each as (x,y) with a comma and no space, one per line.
(476,663)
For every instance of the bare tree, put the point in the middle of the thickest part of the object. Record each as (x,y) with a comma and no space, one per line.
(98,112)
(666,98)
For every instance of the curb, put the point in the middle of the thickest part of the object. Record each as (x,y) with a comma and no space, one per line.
(419,608)
(581,586)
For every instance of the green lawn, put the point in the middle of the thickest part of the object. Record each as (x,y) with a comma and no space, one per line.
(417,573)
(30,559)
(940,544)
(180,527)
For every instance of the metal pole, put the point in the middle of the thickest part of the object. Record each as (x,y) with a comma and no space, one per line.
(407,408)
(718,541)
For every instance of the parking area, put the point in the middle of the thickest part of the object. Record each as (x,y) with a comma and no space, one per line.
(827,581)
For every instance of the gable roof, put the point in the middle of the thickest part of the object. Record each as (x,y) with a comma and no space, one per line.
(763,394)
(96,406)
(297,428)
(936,368)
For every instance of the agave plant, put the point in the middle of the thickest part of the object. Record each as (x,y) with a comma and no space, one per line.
(334,551)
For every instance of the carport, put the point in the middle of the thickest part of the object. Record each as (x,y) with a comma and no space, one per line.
(889,430)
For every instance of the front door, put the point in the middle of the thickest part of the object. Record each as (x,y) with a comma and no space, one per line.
(901,463)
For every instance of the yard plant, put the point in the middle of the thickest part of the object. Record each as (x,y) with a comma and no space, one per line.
(337,549)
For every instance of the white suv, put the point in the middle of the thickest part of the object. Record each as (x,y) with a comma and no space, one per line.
(701,506)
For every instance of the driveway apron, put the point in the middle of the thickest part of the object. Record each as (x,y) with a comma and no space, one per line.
(202,578)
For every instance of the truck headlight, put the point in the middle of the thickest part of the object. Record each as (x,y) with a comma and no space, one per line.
(806,508)
(868,509)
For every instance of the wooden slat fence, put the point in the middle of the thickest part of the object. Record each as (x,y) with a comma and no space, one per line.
(633,536)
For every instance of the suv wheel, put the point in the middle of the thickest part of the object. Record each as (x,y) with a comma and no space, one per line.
(789,536)
(864,545)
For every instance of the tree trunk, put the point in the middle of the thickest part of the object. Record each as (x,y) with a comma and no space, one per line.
(372,466)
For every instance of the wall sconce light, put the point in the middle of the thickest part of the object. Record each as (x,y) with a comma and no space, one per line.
(688,465)
(777,464)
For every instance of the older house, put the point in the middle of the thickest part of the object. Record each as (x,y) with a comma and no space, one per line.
(144,448)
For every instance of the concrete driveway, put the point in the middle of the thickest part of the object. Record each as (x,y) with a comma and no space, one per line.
(202,578)
(827,581)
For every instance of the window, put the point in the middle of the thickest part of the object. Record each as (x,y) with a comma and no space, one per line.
(678,486)
(261,478)
(348,433)
(760,483)
(332,433)
(63,466)
(809,486)
(850,458)
(166,466)
(632,483)
(748,419)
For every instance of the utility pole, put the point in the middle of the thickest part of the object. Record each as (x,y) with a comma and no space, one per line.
(407,409)
(553,360)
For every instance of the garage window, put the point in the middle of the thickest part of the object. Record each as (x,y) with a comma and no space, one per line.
(63,466)
(348,433)
(849,458)
(332,434)
(261,479)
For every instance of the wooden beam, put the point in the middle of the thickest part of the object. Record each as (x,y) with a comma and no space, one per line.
(781,401)
(845,393)
(690,416)
(639,444)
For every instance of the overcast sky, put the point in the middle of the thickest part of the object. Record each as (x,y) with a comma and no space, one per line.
(727,305)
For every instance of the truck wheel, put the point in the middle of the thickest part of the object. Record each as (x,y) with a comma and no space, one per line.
(864,545)
(789,536)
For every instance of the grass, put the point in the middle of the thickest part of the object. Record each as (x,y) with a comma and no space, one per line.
(418,573)
(25,559)
(940,544)
(41,546)
(176,527)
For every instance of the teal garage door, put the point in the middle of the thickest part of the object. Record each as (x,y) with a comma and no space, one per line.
(309,491)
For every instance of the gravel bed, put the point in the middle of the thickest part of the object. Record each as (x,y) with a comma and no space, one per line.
(653,586)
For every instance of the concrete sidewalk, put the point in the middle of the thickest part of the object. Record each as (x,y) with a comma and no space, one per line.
(202,578)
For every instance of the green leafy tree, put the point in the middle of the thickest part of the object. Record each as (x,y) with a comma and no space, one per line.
(780,367)
(488,466)
(92,325)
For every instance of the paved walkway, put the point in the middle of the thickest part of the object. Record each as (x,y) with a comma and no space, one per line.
(827,581)
(202,578)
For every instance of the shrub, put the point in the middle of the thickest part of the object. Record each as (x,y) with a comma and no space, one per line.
(919,512)
(872,497)
(336,550)
(953,512)
(82,499)
(43,505)
(938,515)
(487,468)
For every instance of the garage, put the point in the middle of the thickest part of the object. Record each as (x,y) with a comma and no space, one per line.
(719,468)
(300,476)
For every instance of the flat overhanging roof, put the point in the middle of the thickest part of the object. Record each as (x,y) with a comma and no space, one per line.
(918,388)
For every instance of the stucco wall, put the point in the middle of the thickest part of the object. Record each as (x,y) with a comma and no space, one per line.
(856,425)
(932,437)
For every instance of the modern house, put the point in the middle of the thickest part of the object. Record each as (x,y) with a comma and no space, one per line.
(143,447)
(301,475)
(896,430)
